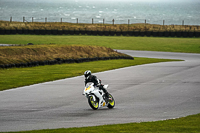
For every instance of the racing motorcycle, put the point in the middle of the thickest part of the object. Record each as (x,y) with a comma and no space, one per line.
(96,97)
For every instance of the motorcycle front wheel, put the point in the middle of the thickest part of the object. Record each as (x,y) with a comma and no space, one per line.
(93,104)
(111,103)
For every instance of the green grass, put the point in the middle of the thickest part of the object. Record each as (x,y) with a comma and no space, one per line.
(186,45)
(189,124)
(16,77)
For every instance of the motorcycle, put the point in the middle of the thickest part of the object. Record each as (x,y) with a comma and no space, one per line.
(96,97)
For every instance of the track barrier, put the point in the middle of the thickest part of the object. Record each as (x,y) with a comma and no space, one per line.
(100,33)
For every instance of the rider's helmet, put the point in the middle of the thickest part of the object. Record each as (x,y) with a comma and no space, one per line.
(87,73)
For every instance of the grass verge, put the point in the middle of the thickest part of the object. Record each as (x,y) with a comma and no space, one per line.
(185,45)
(189,124)
(16,77)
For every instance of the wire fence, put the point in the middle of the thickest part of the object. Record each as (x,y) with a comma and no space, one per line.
(28,26)
(99,21)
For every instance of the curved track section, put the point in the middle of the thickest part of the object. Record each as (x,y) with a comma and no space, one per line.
(148,92)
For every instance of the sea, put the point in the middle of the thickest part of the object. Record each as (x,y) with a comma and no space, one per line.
(167,12)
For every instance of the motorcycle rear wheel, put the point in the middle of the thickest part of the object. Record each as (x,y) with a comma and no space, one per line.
(93,104)
(111,103)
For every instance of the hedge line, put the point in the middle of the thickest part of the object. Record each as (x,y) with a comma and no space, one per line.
(60,61)
(101,33)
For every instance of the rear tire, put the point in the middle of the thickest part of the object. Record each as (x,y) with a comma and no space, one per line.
(111,103)
(93,104)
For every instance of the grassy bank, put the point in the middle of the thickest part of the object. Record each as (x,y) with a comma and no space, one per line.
(95,27)
(16,77)
(186,45)
(189,124)
(33,53)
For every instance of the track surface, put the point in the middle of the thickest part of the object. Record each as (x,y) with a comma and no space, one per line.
(148,92)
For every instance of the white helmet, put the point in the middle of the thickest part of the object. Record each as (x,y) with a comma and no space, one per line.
(87,73)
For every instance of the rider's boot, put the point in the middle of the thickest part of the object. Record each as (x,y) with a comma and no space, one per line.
(107,96)
(106,93)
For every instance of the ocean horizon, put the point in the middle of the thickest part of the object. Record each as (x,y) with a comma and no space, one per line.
(185,12)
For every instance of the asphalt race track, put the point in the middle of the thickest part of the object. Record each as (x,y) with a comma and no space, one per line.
(148,92)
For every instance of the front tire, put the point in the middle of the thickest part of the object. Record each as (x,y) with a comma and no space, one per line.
(111,103)
(93,104)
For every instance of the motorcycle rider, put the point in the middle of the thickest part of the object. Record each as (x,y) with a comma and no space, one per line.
(92,78)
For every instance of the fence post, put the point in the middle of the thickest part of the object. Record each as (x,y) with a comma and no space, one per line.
(61,20)
(128,23)
(45,20)
(113,21)
(10,19)
(103,21)
(77,20)
(23,19)
(145,21)
(92,21)
(163,22)
(32,19)
(183,22)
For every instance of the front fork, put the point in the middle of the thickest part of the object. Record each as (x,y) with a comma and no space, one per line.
(94,98)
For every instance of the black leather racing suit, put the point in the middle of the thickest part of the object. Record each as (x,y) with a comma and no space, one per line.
(93,79)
